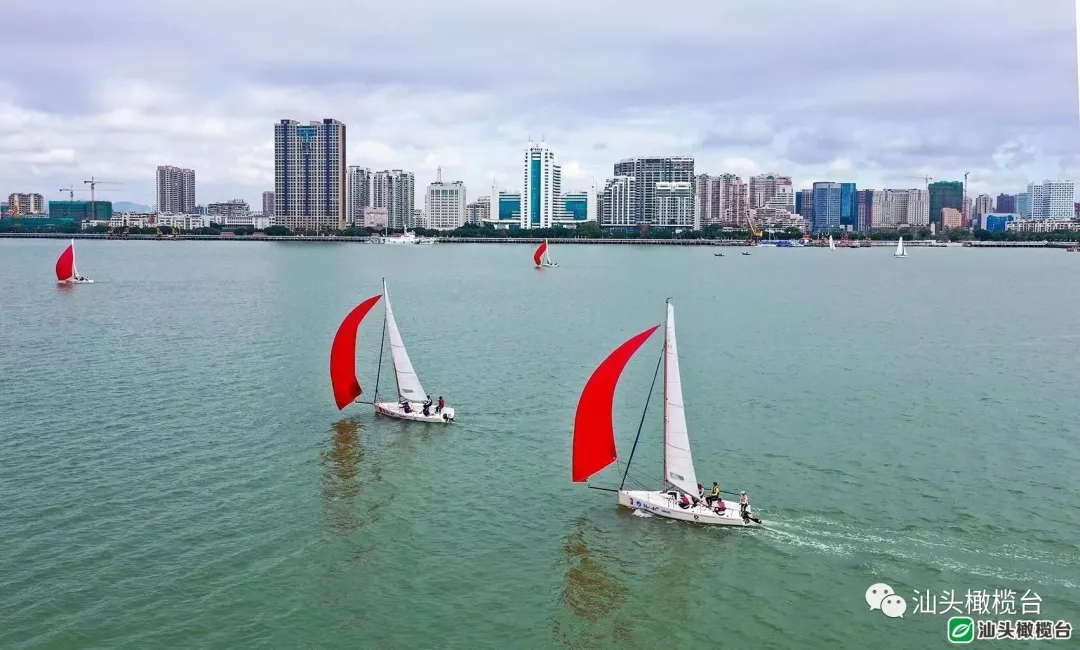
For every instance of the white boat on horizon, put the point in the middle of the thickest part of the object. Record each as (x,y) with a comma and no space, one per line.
(594,439)
(900,250)
(66,271)
(409,390)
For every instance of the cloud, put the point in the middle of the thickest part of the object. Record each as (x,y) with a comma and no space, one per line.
(877,93)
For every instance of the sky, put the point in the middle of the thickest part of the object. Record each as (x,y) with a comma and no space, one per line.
(881,93)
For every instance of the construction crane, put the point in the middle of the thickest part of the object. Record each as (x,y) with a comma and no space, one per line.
(93,183)
(754,232)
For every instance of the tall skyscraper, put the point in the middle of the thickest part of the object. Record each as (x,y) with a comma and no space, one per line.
(984,205)
(647,172)
(719,200)
(395,190)
(865,217)
(804,205)
(268,203)
(1006,203)
(827,199)
(175,190)
(358,189)
(542,187)
(445,203)
(918,208)
(1052,199)
(945,194)
(309,175)
(848,213)
(1023,205)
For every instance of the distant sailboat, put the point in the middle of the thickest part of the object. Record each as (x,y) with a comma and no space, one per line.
(594,438)
(66,272)
(832,244)
(900,250)
(542,255)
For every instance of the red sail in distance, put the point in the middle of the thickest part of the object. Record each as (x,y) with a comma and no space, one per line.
(539,254)
(594,432)
(65,266)
(343,355)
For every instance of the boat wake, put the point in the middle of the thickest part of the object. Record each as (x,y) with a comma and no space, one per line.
(641,513)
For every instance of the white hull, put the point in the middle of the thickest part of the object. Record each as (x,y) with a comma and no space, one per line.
(662,504)
(394,410)
(86,281)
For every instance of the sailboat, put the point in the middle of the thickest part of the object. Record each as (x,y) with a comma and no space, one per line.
(594,438)
(900,250)
(832,244)
(66,272)
(343,368)
(542,256)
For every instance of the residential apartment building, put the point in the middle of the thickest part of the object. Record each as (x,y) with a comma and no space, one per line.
(479,210)
(175,190)
(395,190)
(26,205)
(984,204)
(358,191)
(619,203)
(765,188)
(673,205)
(445,204)
(234,208)
(268,204)
(1006,204)
(1052,199)
(720,200)
(647,172)
(309,175)
(951,218)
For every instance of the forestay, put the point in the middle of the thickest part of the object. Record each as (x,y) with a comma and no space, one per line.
(408,383)
(678,463)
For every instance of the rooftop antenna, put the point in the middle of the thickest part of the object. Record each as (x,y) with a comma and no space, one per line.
(438,174)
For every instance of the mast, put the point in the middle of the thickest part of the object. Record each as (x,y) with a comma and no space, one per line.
(382,346)
(663,438)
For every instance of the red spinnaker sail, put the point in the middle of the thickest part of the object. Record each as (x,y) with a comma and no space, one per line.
(594,432)
(539,254)
(343,355)
(65,266)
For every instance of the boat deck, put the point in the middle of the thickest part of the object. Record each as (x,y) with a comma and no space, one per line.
(663,505)
(394,410)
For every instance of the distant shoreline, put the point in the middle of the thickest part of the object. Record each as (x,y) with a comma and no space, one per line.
(523,240)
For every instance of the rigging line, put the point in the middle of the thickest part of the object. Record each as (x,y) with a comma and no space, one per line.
(643,412)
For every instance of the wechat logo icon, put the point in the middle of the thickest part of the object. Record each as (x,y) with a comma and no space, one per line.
(961,629)
(881,596)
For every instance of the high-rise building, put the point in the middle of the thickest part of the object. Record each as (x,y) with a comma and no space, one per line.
(445,204)
(765,187)
(79,211)
(918,208)
(1023,205)
(1006,203)
(984,204)
(309,175)
(26,205)
(945,194)
(358,190)
(827,199)
(479,210)
(848,213)
(967,210)
(419,219)
(395,190)
(647,172)
(674,205)
(175,190)
(894,209)
(804,205)
(619,202)
(1052,199)
(268,203)
(869,209)
(542,187)
(722,199)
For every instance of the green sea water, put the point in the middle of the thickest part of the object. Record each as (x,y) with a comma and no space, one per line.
(173,471)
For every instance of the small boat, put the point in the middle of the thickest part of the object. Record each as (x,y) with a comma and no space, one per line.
(542,256)
(594,438)
(718,254)
(66,272)
(409,390)
(900,250)
(832,244)
(746,252)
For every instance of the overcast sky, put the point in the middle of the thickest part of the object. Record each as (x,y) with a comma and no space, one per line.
(878,92)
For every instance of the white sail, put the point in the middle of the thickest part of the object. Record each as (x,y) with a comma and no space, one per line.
(900,248)
(74,266)
(408,383)
(832,244)
(678,463)
(547,253)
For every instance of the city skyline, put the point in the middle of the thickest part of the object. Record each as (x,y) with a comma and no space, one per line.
(879,114)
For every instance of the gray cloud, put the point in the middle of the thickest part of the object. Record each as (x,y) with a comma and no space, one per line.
(836,87)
